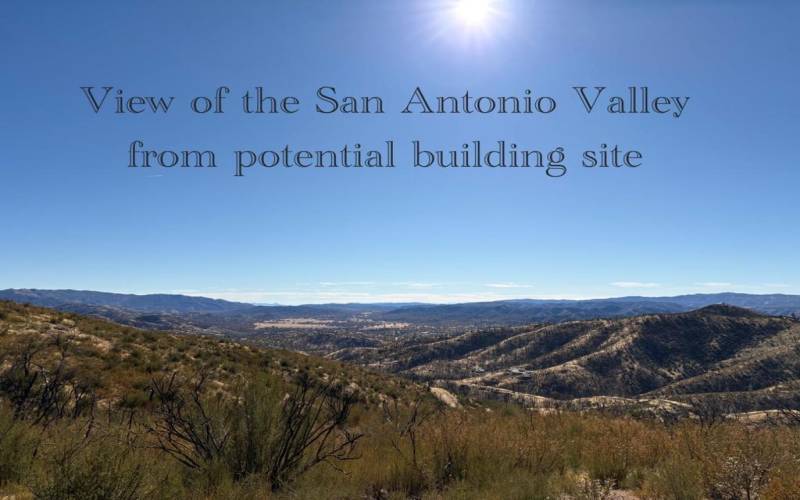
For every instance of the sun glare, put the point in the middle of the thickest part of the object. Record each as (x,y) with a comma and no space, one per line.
(473,13)
(471,25)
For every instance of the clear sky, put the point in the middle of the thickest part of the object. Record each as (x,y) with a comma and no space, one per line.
(714,207)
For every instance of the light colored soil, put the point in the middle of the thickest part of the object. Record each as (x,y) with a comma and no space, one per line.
(445,397)
(290,323)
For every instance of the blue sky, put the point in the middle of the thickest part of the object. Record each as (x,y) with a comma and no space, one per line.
(714,207)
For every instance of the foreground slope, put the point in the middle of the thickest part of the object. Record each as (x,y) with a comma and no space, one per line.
(117,361)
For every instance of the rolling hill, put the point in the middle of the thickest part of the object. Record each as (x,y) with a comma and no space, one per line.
(753,358)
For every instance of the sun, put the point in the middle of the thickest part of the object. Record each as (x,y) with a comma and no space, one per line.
(473,13)
(471,25)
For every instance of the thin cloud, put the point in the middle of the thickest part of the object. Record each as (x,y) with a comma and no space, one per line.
(416,284)
(745,288)
(634,284)
(346,283)
(507,285)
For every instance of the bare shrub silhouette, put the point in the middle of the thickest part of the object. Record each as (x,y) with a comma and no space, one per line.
(43,390)
(256,432)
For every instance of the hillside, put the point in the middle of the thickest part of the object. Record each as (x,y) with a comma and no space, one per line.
(118,362)
(751,358)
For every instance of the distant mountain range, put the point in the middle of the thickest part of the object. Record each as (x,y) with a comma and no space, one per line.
(154,303)
(507,312)
(532,311)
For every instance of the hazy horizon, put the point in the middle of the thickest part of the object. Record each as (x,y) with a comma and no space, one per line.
(457,299)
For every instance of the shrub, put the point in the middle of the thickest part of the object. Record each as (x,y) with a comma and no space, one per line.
(674,479)
(93,468)
(17,442)
(256,433)
(614,448)
(784,484)
(451,452)
(738,462)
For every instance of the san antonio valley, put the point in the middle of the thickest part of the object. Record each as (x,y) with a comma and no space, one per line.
(473,154)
